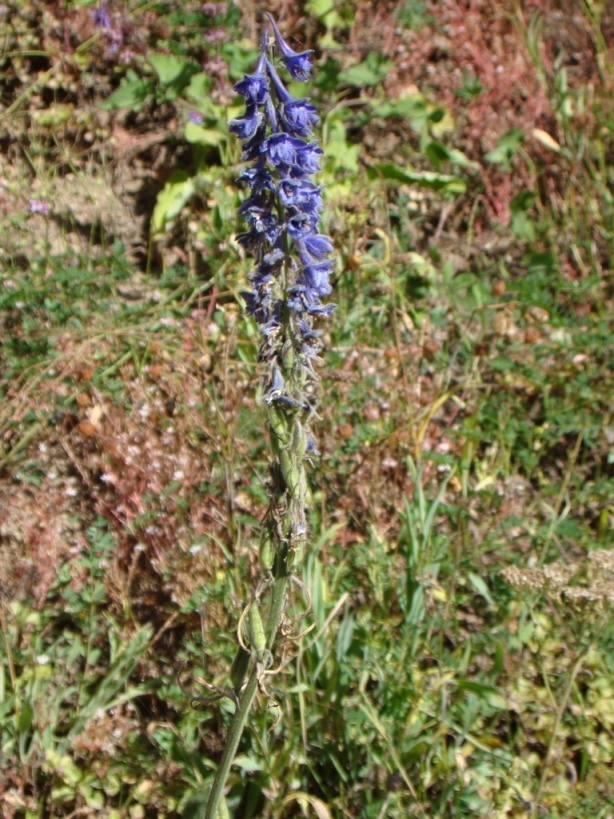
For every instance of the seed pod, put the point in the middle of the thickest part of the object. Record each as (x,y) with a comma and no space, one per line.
(287,357)
(287,524)
(299,439)
(267,550)
(277,420)
(290,470)
(297,554)
(238,669)
(257,637)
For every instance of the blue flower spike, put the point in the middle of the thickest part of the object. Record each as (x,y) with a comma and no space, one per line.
(292,268)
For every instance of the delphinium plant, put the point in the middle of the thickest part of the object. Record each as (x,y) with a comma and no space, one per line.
(290,278)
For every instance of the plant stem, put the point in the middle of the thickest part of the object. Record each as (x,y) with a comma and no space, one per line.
(559,715)
(246,700)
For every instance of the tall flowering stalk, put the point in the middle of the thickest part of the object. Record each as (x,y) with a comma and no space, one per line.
(290,278)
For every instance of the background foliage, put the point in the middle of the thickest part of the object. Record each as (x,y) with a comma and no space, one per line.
(466,414)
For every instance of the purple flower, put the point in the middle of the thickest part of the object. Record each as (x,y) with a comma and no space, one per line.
(298,64)
(195,117)
(282,149)
(215,8)
(101,16)
(245,127)
(300,225)
(36,206)
(316,277)
(254,88)
(298,117)
(258,178)
(317,246)
(215,36)
(301,194)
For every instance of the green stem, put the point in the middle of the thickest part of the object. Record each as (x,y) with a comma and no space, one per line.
(246,700)
(555,729)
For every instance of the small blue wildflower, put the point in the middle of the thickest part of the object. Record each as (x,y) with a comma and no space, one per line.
(101,16)
(111,27)
(38,206)
(195,117)
(245,127)
(297,116)
(297,64)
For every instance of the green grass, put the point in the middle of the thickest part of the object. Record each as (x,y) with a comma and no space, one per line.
(465,428)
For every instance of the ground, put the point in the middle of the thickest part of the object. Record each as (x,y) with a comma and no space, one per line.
(462,516)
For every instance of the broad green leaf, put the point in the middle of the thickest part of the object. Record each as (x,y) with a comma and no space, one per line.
(522,202)
(197,135)
(196,806)
(170,67)
(171,200)
(198,91)
(523,227)
(338,152)
(370,72)
(132,93)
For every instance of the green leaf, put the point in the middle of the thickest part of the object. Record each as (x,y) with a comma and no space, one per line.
(196,806)
(543,262)
(370,72)
(438,153)
(198,90)
(523,227)
(26,715)
(171,68)
(197,135)
(133,93)
(509,144)
(445,183)
(328,75)
(338,153)
(411,107)
(479,584)
(344,637)
(171,200)
(522,202)
(240,58)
